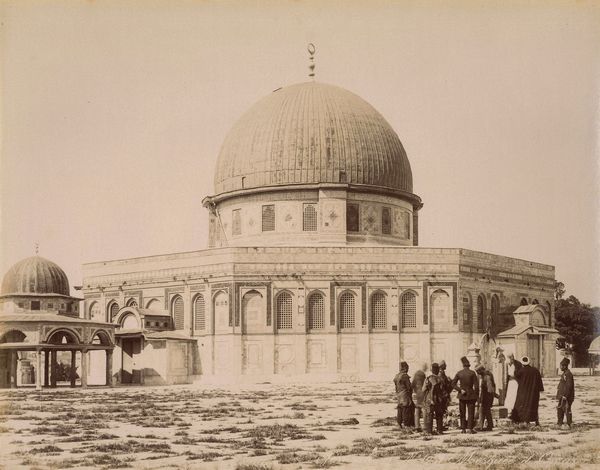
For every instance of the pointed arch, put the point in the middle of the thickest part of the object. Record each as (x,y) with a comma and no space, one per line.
(316,311)
(408,310)
(467,311)
(199,312)
(347,310)
(283,311)
(378,310)
(481,308)
(112,310)
(177,312)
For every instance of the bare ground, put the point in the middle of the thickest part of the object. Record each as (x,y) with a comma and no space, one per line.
(259,427)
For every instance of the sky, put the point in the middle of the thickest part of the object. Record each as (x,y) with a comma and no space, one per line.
(113,113)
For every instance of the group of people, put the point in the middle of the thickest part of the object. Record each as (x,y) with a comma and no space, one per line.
(427,397)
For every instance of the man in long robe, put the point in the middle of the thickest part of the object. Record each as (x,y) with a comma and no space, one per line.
(511,386)
(528,394)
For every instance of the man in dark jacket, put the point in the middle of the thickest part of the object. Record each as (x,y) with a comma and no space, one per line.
(447,384)
(486,398)
(528,394)
(565,393)
(405,415)
(417,386)
(468,392)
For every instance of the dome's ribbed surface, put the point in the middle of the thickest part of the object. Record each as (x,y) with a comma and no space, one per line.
(312,133)
(35,275)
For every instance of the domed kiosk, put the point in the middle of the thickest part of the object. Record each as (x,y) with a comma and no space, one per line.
(313,267)
(43,341)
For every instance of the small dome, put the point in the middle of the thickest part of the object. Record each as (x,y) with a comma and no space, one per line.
(35,275)
(312,133)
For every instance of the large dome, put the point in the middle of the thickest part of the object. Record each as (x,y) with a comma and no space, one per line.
(35,275)
(312,133)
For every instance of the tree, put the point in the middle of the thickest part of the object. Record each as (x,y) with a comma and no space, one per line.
(578,323)
(559,290)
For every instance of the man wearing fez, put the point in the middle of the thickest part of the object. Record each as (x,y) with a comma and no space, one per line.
(417,386)
(466,384)
(486,398)
(528,394)
(565,393)
(405,405)
(447,385)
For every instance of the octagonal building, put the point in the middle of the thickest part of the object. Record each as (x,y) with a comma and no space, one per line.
(313,268)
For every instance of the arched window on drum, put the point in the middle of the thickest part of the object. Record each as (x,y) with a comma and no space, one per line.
(378,311)
(177,312)
(199,313)
(316,311)
(408,310)
(309,220)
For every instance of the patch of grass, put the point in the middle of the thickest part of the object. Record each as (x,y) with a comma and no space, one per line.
(253,466)
(294,457)
(391,421)
(204,456)
(49,449)
(277,432)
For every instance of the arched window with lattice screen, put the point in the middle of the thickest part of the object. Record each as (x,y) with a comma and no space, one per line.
(316,311)
(408,310)
(284,311)
(378,311)
(113,308)
(132,303)
(480,313)
(199,313)
(347,310)
(309,220)
(467,311)
(177,312)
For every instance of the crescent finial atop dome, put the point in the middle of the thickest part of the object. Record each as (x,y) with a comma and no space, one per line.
(311,67)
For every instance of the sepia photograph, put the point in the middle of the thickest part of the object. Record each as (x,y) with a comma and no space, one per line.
(299,234)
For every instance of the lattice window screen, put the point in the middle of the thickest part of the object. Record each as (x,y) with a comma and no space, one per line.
(408,307)
(378,311)
(309,221)
(199,313)
(316,312)
(347,310)
(284,311)
(177,313)
(268,218)
(114,308)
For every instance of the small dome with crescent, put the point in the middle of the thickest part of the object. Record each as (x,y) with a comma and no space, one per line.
(312,133)
(35,275)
